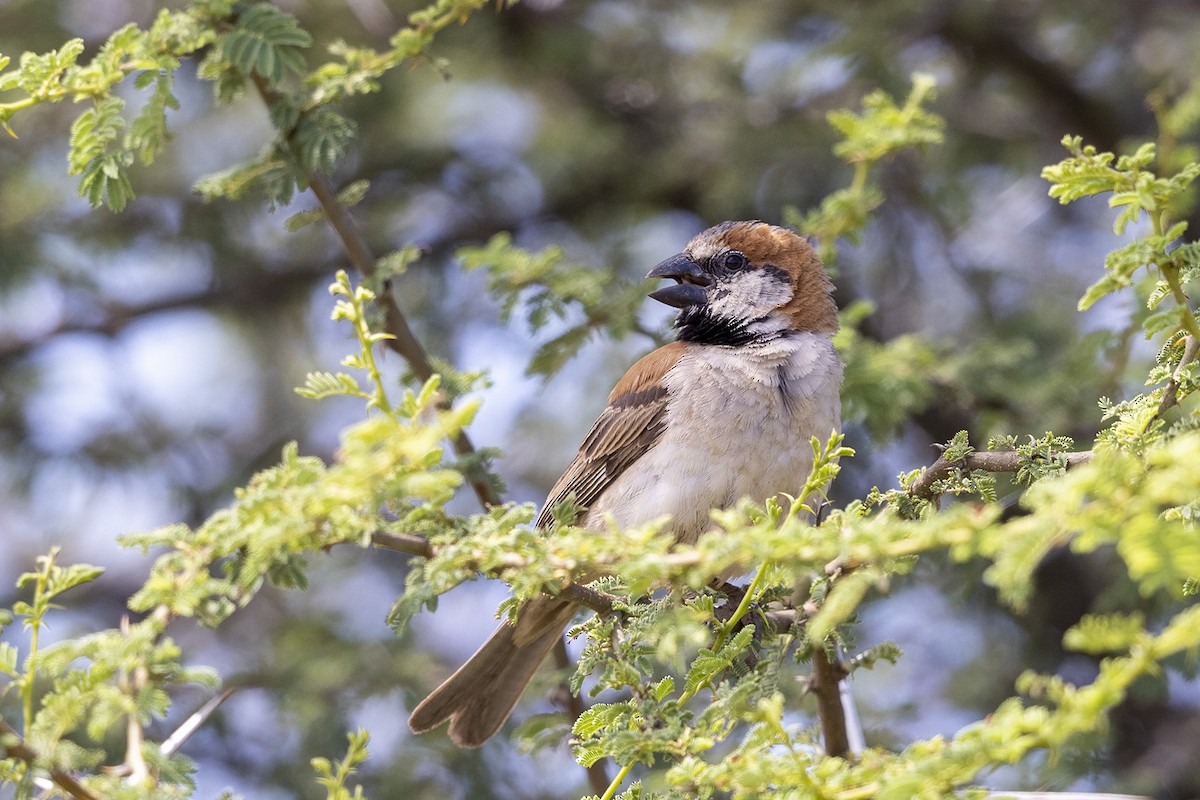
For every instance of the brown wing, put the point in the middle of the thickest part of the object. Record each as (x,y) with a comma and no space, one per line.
(631,423)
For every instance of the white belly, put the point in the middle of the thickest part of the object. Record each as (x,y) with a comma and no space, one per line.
(738,425)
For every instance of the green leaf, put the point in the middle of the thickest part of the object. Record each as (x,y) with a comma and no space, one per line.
(395,264)
(599,717)
(320,385)
(270,174)
(322,137)
(266,41)
(8,660)
(1099,634)
(93,157)
(302,219)
(353,193)
(148,132)
(707,664)
(842,601)
(63,578)
(334,775)
(884,128)
(41,75)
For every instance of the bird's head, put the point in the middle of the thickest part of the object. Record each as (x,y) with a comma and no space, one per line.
(740,282)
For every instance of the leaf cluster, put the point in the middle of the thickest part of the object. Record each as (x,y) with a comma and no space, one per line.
(389,476)
(333,775)
(87,688)
(880,131)
(885,382)
(547,288)
(104,144)
(244,44)
(1115,501)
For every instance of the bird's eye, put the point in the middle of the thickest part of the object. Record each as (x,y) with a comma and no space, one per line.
(733,260)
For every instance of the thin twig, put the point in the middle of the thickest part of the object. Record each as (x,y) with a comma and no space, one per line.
(409,543)
(856,738)
(12,746)
(135,734)
(1170,396)
(193,723)
(574,706)
(1007,461)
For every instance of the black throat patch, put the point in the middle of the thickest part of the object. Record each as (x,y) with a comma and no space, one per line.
(701,325)
(698,324)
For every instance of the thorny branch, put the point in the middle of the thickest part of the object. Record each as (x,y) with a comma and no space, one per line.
(12,746)
(404,341)
(1007,461)
(779,618)
(184,732)
(596,600)
(135,736)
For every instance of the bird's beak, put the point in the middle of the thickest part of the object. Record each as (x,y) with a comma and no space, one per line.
(689,291)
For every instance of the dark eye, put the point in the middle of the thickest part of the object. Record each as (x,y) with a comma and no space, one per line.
(733,261)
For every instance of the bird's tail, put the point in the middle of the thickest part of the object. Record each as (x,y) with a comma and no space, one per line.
(478,698)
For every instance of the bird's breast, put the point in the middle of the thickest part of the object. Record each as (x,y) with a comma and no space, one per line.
(738,424)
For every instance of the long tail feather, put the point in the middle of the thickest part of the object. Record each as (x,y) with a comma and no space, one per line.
(478,698)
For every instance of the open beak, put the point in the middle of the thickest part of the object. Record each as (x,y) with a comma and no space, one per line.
(691,282)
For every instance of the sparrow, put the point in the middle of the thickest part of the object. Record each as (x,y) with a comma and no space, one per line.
(725,412)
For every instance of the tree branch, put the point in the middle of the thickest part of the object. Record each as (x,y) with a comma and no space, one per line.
(823,684)
(403,341)
(1007,461)
(13,746)
(193,722)
(1170,396)
(409,543)
(781,618)
(413,544)
(184,732)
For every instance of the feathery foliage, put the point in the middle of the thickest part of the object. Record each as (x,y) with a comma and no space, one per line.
(714,706)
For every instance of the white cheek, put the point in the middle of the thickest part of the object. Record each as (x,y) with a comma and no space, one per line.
(748,295)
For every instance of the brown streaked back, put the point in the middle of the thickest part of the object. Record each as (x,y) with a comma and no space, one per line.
(631,423)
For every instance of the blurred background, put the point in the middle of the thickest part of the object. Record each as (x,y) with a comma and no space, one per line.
(147,359)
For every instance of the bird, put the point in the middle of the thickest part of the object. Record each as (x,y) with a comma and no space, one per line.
(724,412)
